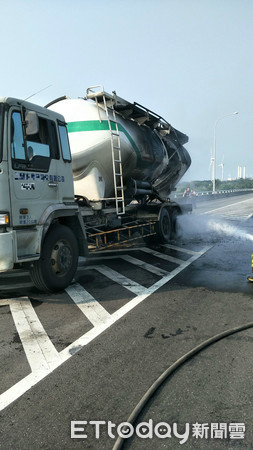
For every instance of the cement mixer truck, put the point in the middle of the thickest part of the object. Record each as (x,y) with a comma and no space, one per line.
(80,176)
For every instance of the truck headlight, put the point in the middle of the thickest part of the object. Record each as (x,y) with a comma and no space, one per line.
(4,219)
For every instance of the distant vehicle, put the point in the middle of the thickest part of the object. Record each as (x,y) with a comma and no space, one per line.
(125,160)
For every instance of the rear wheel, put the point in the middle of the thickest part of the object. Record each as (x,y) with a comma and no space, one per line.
(164,226)
(176,230)
(58,262)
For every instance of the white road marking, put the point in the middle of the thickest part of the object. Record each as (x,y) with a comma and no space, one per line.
(20,388)
(130,305)
(13,274)
(120,279)
(90,335)
(227,206)
(145,266)
(16,286)
(180,249)
(132,260)
(40,351)
(5,302)
(115,250)
(162,256)
(248,217)
(90,307)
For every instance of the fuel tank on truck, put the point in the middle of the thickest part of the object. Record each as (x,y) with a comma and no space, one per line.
(153,158)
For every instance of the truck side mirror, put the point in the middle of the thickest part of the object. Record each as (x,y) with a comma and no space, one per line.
(32,123)
(30,153)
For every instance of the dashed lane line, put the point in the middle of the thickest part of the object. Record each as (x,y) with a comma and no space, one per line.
(47,358)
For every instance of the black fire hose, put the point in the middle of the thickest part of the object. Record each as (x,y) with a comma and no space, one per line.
(140,406)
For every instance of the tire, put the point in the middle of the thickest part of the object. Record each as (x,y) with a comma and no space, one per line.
(163,226)
(176,231)
(57,265)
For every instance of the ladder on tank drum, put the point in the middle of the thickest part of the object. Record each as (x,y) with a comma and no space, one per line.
(106,102)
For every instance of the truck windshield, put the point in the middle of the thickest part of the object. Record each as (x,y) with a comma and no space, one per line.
(1,131)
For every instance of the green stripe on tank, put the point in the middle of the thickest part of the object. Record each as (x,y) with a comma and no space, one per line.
(96,125)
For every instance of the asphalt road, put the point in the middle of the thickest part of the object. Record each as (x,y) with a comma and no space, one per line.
(91,353)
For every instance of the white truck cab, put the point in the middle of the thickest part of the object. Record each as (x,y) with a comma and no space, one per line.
(40,224)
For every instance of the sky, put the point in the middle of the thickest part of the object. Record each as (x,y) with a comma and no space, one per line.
(190,61)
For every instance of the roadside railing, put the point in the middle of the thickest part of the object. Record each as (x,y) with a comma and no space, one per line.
(210,195)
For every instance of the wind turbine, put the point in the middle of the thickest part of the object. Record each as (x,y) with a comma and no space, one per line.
(222,168)
(211,160)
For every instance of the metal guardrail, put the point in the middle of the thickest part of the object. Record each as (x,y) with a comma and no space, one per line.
(210,195)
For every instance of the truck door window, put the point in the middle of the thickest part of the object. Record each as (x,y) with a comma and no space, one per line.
(38,143)
(38,149)
(64,143)
(17,139)
(1,131)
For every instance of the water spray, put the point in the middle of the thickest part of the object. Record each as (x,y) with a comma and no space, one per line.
(237,233)
(229,230)
(195,226)
(250,278)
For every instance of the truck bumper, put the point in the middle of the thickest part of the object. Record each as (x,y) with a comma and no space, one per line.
(6,251)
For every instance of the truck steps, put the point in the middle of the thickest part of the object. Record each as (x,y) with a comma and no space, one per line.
(101,240)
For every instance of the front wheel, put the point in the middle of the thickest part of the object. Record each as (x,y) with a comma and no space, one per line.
(58,261)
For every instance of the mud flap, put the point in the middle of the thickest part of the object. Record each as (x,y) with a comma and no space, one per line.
(6,245)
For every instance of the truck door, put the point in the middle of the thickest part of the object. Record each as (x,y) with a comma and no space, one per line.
(33,173)
(66,189)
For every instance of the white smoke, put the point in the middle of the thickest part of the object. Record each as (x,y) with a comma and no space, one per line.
(199,226)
